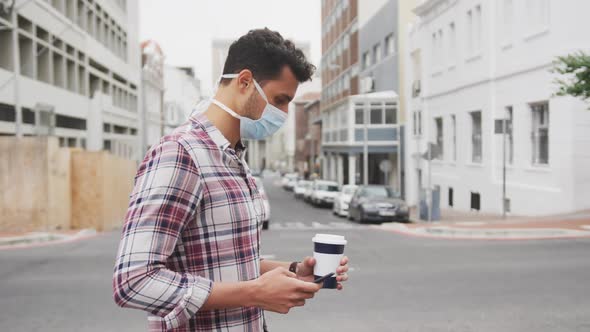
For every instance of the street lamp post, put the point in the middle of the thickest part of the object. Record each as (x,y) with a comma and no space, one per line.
(365,147)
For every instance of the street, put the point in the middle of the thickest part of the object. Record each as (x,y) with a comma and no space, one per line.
(396,284)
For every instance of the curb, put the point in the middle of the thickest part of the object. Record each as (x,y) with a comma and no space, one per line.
(450,233)
(39,239)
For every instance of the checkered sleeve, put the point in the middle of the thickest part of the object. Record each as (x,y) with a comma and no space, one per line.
(167,191)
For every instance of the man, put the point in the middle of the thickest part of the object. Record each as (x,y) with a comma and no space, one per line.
(189,253)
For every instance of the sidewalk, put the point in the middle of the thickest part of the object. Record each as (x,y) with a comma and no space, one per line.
(15,240)
(471,225)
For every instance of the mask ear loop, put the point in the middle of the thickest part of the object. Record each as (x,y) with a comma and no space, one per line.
(260,91)
(222,77)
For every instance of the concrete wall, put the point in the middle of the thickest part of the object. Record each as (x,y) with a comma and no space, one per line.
(34,177)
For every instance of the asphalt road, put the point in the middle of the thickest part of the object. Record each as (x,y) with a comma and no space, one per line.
(397,283)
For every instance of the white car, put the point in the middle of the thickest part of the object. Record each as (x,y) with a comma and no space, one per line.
(307,193)
(265,201)
(301,187)
(289,180)
(324,192)
(343,199)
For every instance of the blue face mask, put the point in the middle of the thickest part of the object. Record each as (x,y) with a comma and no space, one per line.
(272,118)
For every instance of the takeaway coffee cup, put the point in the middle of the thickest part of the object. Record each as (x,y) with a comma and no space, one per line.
(328,250)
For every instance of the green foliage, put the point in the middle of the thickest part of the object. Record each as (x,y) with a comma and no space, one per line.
(575,75)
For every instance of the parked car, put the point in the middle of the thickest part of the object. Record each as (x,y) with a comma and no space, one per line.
(265,201)
(323,193)
(377,204)
(307,193)
(289,180)
(343,199)
(301,187)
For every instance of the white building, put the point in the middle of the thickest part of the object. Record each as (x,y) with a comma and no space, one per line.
(152,80)
(472,62)
(71,69)
(182,94)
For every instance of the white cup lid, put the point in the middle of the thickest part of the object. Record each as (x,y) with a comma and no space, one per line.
(329,239)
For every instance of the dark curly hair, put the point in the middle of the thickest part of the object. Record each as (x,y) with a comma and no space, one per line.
(265,52)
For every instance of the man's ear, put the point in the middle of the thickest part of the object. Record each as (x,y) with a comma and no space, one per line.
(245,79)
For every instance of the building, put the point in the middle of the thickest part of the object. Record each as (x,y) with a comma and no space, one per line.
(72,69)
(303,148)
(361,91)
(183,93)
(278,151)
(475,62)
(314,136)
(152,80)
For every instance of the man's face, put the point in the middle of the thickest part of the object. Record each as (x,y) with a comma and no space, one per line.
(279,92)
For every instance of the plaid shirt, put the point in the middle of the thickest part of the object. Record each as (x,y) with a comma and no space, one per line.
(194,218)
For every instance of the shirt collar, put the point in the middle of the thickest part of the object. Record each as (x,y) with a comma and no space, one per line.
(201,119)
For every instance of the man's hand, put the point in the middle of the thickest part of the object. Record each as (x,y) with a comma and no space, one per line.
(279,290)
(305,270)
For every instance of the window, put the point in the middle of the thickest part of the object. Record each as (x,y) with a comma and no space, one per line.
(450,196)
(366,60)
(389,44)
(440,52)
(452,44)
(469,32)
(454,133)
(508,18)
(478,29)
(540,134)
(434,49)
(390,113)
(538,14)
(475,201)
(417,117)
(439,136)
(359,114)
(476,139)
(376,53)
(376,113)
(509,136)
(419,122)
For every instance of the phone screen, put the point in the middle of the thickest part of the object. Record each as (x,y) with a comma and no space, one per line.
(321,279)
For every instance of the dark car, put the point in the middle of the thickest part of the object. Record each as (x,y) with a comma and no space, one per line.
(377,204)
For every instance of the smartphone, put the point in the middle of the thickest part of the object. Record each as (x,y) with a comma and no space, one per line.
(321,279)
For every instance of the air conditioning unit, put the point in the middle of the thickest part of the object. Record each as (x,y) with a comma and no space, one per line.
(416,88)
(6,6)
(367,84)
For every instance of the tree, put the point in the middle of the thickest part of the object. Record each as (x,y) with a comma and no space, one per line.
(575,72)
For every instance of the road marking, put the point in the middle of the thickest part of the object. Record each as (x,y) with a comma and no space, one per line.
(343,225)
(267,256)
(314,225)
(470,223)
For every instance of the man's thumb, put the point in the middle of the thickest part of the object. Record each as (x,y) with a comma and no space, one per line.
(309,261)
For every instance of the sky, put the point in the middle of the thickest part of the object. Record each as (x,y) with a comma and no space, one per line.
(185,28)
